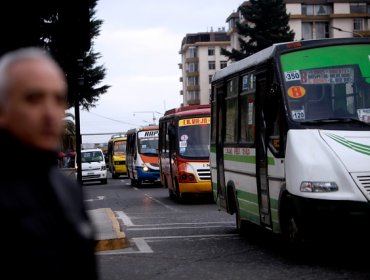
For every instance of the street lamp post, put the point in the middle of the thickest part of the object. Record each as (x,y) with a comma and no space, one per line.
(341,30)
(152,112)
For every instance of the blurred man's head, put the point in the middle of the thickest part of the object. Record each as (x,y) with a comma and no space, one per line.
(33,94)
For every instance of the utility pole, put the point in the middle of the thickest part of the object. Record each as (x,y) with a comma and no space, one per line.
(77,119)
(151,112)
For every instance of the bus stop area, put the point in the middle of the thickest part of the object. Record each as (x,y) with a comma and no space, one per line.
(108,233)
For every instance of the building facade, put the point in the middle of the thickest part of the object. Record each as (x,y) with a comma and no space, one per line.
(200,58)
(316,19)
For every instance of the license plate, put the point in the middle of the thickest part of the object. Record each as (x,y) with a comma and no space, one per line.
(90,173)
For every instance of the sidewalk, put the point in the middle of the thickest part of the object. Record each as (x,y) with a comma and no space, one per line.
(108,233)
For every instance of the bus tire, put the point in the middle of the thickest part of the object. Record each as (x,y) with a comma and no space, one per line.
(171,194)
(179,195)
(290,226)
(234,208)
(114,174)
(241,225)
(133,182)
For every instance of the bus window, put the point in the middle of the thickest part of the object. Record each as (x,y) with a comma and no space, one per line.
(194,140)
(247,119)
(231,111)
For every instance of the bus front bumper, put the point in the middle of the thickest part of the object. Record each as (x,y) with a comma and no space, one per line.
(200,187)
(325,218)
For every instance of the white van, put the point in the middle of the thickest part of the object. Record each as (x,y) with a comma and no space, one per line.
(93,166)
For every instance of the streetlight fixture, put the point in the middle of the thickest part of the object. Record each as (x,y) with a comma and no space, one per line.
(341,30)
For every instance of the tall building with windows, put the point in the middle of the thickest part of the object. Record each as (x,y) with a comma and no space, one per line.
(200,58)
(316,19)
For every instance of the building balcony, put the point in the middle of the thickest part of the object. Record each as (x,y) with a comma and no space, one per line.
(194,102)
(180,65)
(180,79)
(192,74)
(181,92)
(361,33)
(191,59)
(193,88)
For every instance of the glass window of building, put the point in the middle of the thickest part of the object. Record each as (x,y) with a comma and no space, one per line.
(211,65)
(192,52)
(315,30)
(223,64)
(193,81)
(357,8)
(358,24)
(211,51)
(193,95)
(316,10)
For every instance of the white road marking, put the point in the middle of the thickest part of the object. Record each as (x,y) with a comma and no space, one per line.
(125,219)
(161,228)
(161,203)
(136,189)
(143,246)
(95,199)
(200,223)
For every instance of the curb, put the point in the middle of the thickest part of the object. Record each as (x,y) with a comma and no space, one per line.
(108,233)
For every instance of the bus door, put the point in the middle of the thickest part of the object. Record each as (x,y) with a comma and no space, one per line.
(261,150)
(221,186)
(172,153)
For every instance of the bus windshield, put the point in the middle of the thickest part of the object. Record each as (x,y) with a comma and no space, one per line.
(194,137)
(148,146)
(119,148)
(328,84)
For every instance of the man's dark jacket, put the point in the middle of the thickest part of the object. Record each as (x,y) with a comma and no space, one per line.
(45,232)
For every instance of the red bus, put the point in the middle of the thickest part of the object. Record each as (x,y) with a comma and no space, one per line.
(184,141)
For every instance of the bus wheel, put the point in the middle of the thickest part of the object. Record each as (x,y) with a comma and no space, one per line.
(171,194)
(241,225)
(291,228)
(177,191)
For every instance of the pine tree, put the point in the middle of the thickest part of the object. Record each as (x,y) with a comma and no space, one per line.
(67,29)
(71,39)
(266,22)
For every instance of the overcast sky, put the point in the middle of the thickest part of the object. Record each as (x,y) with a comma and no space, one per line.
(139,43)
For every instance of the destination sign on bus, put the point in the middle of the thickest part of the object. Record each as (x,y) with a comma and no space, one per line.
(327,76)
(148,133)
(195,121)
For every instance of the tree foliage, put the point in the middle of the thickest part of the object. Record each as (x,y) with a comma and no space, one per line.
(67,29)
(266,22)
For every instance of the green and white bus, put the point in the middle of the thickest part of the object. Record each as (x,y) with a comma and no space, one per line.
(290,137)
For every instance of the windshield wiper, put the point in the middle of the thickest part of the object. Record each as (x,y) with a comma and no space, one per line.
(333,120)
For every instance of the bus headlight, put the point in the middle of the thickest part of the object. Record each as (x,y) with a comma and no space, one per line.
(308,186)
(103,167)
(145,168)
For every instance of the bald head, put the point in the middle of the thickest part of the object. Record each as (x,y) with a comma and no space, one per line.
(32,97)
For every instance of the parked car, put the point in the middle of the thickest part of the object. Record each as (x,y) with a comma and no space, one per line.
(93,166)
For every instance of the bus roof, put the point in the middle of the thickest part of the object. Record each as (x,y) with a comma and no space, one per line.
(143,128)
(117,137)
(189,110)
(266,54)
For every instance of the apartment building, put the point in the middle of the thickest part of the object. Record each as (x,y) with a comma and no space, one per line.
(200,58)
(315,19)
